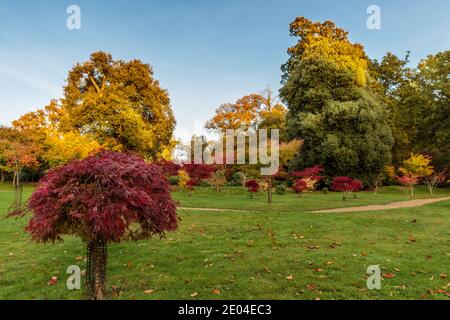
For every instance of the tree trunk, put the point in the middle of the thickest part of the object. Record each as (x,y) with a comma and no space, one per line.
(2,180)
(269,189)
(96,269)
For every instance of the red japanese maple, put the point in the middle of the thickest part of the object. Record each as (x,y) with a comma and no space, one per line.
(346,184)
(199,172)
(252,186)
(169,168)
(312,173)
(300,186)
(107,197)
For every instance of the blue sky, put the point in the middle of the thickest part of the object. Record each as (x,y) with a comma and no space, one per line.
(204,52)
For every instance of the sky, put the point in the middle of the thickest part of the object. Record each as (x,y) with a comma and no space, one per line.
(204,52)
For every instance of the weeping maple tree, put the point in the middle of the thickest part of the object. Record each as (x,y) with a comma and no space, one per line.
(107,197)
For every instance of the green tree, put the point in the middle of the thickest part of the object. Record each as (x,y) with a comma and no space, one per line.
(332,106)
(120,104)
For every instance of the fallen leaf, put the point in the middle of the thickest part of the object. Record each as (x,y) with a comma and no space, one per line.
(52,281)
(149,291)
(289,277)
(193,295)
(79,258)
(388,275)
(216,291)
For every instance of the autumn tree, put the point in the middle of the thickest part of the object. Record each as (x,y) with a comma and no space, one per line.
(108,197)
(331,105)
(57,147)
(120,104)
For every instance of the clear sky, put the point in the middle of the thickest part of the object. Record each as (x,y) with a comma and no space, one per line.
(205,52)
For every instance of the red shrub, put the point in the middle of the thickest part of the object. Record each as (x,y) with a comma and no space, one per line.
(169,168)
(310,173)
(199,171)
(300,186)
(102,198)
(252,186)
(346,184)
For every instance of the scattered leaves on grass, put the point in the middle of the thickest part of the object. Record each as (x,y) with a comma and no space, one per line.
(388,275)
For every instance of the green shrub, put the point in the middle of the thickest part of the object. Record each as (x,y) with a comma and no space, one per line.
(325,190)
(174,180)
(204,183)
(280,189)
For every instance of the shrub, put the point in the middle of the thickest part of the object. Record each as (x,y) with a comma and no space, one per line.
(199,171)
(280,189)
(252,187)
(204,183)
(237,179)
(346,185)
(169,168)
(107,197)
(325,190)
(174,180)
(300,186)
(409,182)
(311,176)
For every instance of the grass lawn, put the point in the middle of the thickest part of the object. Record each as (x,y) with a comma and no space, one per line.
(280,252)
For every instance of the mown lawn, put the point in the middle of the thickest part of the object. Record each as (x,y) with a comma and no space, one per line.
(252,255)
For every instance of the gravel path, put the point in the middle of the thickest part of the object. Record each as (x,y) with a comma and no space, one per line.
(389,206)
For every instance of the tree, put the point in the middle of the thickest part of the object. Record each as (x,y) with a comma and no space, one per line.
(105,198)
(120,104)
(346,185)
(418,165)
(331,105)
(434,180)
(409,182)
(311,176)
(252,187)
(42,127)
(241,115)
(434,91)
(218,179)
(299,186)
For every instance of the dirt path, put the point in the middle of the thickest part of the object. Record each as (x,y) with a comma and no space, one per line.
(215,210)
(389,206)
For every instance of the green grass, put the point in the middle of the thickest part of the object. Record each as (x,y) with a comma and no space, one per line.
(249,255)
(238,198)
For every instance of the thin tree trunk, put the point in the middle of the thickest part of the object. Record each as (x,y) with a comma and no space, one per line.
(269,189)
(3,177)
(96,269)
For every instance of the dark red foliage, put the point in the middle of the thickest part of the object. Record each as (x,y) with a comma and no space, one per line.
(199,171)
(310,173)
(192,183)
(169,168)
(108,196)
(252,186)
(299,186)
(281,176)
(346,184)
